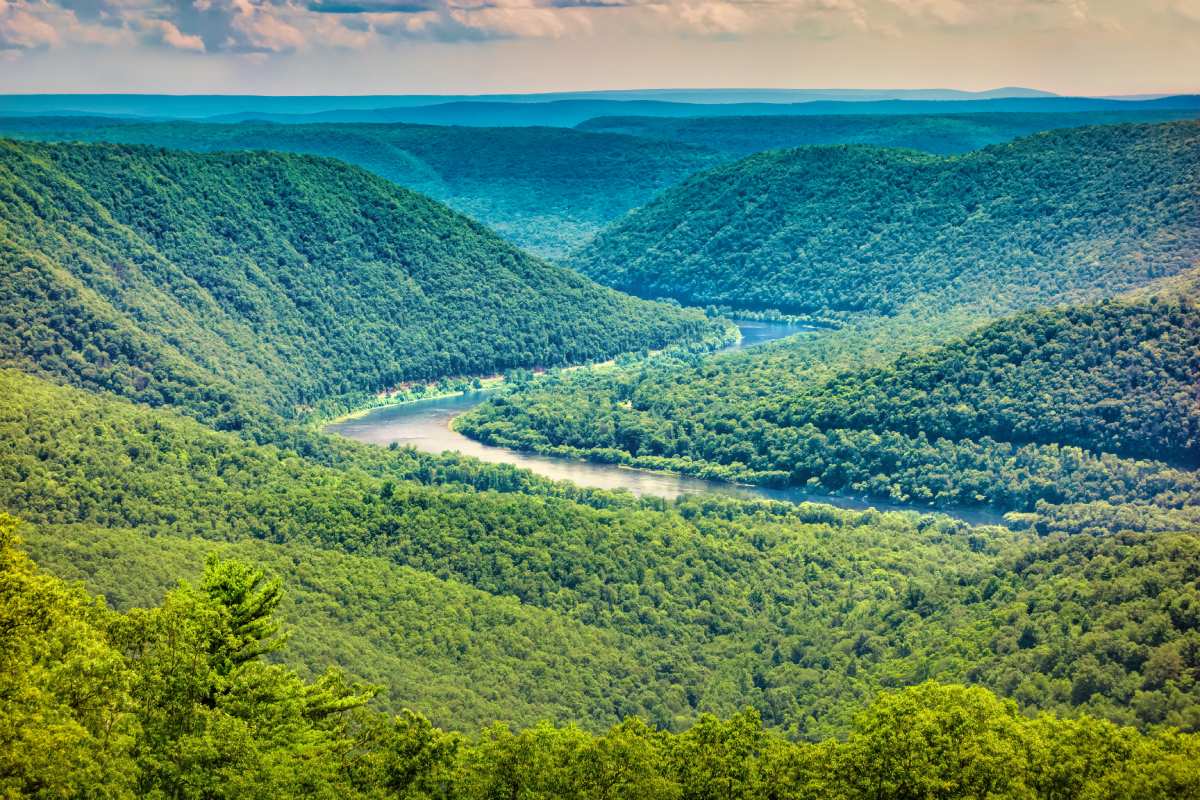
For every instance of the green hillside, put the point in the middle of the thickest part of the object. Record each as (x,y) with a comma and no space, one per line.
(470,603)
(835,231)
(206,280)
(177,700)
(931,133)
(545,189)
(1094,403)
(1116,378)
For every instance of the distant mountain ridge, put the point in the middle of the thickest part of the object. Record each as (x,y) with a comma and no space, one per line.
(569,109)
(207,105)
(931,133)
(545,189)
(571,112)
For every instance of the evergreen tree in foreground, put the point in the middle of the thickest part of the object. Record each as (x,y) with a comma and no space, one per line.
(180,701)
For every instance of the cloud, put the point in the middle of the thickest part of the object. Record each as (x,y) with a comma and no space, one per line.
(22,29)
(263,28)
(92,10)
(238,26)
(481,20)
(992,14)
(1187,9)
(370,7)
(943,12)
(160,31)
(731,19)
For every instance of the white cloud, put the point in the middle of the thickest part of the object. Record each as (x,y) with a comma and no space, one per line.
(21,28)
(269,27)
(988,14)
(164,32)
(713,18)
(263,29)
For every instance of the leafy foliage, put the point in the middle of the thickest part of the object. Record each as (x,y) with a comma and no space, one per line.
(1052,406)
(704,648)
(609,606)
(205,716)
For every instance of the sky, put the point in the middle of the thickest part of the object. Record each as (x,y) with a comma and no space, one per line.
(1086,47)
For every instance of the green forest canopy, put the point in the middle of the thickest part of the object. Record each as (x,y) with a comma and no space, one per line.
(931,133)
(215,286)
(547,190)
(176,700)
(834,231)
(1073,404)
(625,607)
(206,280)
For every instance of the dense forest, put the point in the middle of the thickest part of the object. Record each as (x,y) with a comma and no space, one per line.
(932,133)
(177,700)
(207,280)
(1078,404)
(591,607)
(203,596)
(547,190)
(831,231)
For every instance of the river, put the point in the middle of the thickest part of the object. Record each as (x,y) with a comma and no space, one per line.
(425,425)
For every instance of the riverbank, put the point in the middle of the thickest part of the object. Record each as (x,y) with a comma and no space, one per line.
(427,425)
(487,384)
(354,409)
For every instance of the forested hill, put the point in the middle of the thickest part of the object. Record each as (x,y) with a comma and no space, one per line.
(1071,405)
(835,230)
(931,133)
(545,189)
(158,700)
(187,279)
(1121,378)
(473,605)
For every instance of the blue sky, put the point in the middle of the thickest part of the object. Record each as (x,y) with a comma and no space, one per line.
(478,46)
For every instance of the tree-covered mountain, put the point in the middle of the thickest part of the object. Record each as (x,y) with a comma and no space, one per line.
(545,189)
(932,133)
(1116,378)
(1082,404)
(536,601)
(176,699)
(202,280)
(832,231)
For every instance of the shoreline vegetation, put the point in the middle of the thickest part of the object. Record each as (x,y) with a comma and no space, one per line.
(775,315)
(460,385)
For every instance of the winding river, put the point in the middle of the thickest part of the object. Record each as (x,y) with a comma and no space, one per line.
(425,425)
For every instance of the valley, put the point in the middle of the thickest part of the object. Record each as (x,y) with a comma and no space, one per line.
(831,446)
(427,425)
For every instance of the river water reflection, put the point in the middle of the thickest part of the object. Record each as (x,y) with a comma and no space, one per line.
(425,425)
